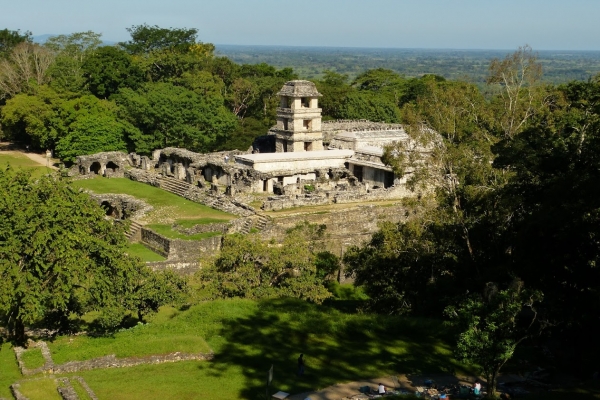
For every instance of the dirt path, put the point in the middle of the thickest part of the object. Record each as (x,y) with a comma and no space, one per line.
(404,381)
(408,382)
(8,148)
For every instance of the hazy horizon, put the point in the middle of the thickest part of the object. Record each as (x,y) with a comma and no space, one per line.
(415,24)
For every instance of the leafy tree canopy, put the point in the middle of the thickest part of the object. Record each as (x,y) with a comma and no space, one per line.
(493,325)
(58,254)
(108,69)
(146,39)
(168,115)
(71,52)
(250,267)
(9,39)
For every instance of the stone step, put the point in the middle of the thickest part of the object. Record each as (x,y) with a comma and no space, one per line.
(246,227)
(134,228)
(263,220)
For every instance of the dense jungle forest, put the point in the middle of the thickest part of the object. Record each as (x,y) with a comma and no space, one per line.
(506,247)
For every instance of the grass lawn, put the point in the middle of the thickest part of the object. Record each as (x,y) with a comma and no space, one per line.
(248,337)
(168,207)
(18,160)
(40,389)
(168,231)
(163,337)
(32,358)
(144,253)
(9,371)
(190,223)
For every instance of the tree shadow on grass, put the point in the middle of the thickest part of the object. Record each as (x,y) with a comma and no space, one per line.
(338,347)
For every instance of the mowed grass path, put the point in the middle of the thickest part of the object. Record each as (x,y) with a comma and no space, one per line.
(167,206)
(247,337)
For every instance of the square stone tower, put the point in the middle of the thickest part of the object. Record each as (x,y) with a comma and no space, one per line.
(298,118)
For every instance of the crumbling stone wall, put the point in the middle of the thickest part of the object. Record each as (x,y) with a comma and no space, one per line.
(108,164)
(178,249)
(222,227)
(180,267)
(122,206)
(353,225)
(218,201)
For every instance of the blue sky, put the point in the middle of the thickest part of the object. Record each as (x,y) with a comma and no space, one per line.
(437,24)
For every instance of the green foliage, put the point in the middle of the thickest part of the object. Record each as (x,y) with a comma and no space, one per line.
(168,115)
(156,289)
(71,52)
(493,325)
(146,39)
(555,167)
(83,125)
(109,69)
(367,105)
(9,39)
(58,256)
(328,265)
(401,268)
(249,267)
(91,135)
(30,119)
(89,125)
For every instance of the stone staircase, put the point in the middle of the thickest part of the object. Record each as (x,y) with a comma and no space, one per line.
(191,192)
(247,226)
(262,222)
(134,229)
(174,186)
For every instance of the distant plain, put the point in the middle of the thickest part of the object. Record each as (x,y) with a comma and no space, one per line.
(560,66)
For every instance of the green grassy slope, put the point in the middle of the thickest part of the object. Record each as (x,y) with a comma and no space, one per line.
(247,337)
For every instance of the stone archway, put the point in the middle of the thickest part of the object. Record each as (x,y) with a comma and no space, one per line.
(110,210)
(95,168)
(112,167)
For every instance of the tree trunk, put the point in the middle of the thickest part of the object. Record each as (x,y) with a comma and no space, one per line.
(491,383)
(20,331)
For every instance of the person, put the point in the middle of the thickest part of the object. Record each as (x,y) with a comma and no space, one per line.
(381,389)
(301,365)
(477,388)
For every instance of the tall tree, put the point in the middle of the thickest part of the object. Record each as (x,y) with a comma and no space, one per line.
(24,69)
(146,39)
(109,69)
(9,39)
(249,267)
(32,119)
(168,115)
(70,52)
(493,325)
(58,254)
(517,80)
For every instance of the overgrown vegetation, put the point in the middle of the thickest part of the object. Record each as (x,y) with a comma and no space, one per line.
(514,168)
